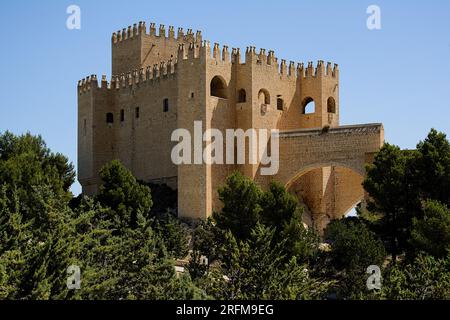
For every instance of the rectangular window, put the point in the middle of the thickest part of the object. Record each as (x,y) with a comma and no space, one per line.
(166,105)
(109,118)
(122,115)
(137,112)
(280,104)
(84,127)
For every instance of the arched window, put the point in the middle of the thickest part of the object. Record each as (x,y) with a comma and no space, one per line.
(242,96)
(166,105)
(109,118)
(264,96)
(280,103)
(218,88)
(308,106)
(331,105)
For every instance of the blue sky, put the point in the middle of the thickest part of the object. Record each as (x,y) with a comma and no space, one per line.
(399,75)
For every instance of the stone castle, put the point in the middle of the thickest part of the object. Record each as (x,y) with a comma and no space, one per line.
(163,81)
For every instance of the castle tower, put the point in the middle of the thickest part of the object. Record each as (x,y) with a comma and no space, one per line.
(320,87)
(137,47)
(94,106)
(165,80)
(192,86)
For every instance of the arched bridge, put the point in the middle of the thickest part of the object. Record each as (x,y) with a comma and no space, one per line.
(325,168)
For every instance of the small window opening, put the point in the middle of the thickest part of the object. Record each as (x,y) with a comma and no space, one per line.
(242,96)
(137,112)
(331,105)
(308,106)
(280,104)
(109,118)
(166,105)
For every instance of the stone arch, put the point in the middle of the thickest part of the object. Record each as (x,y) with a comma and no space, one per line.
(307,168)
(331,105)
(264,96)
(218,87)
(327,191)
(353,205)
(308,106)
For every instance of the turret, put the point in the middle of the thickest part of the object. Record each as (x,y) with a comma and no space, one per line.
(319,88)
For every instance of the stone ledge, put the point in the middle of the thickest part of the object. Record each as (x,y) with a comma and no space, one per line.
(358,128)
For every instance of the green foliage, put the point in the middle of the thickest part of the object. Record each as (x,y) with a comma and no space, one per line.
(207,241)
(387,184)
(111,240)
(353,245)
(400,181)
(432,233)
(34,255)
(173,233)
(34,243)
(281,212)
(432,167)
(300,242)
(130,201)
(276,208)
(26,162)
(255,269)
(256,247)
(241,209)
(131,265)
(353,248)
(427,278)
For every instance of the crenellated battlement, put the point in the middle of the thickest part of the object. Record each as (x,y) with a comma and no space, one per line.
(168,68)
(284,69)
(268,58)
(319,71)
(149,75)
(191,46)
(141,29)
(87,83)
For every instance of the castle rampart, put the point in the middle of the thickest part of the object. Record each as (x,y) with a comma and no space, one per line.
(163,80)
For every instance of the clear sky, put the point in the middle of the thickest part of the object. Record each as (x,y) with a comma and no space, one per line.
(399,75)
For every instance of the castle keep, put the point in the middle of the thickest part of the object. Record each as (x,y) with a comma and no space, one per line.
(164,80)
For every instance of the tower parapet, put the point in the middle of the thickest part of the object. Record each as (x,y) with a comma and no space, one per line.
(138,47)
(141,29)
(319,71)
(134,78)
